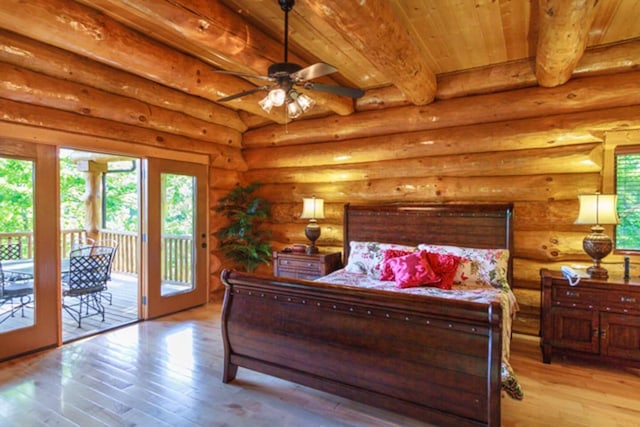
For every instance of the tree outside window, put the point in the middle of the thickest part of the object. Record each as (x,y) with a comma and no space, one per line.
(628,190)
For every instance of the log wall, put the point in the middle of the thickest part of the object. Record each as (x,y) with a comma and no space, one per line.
(538,148)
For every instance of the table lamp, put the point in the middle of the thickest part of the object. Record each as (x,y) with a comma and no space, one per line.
(596,210)
(312,209)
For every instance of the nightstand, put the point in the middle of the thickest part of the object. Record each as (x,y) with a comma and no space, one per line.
(596,319)
(303,266)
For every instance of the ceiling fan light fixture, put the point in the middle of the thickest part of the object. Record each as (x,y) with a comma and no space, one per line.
(305,102)
(293,109)
(266,103)
(277,96)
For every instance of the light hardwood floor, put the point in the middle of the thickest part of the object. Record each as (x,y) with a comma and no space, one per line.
(167,372)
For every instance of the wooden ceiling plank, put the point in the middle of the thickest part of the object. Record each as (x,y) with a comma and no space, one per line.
(563,34)
(375,31)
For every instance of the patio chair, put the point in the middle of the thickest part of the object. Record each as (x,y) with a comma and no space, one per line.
(14,286)
(11,251)
(86,279)
(112,243)
(86,242)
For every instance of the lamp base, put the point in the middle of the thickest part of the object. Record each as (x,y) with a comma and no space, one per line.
(312,231)
(597,245)
(598,272)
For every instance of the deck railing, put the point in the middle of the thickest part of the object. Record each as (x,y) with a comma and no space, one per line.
(177,262)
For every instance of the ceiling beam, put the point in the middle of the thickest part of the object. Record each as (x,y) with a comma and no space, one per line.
(88,32)
(563,34)
(377,34)
(215,34)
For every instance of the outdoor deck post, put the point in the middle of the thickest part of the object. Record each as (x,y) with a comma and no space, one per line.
(93,195)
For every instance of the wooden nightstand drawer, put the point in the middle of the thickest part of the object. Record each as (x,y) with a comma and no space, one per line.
(623,301)
(311,265)
(306,267)
(573,297)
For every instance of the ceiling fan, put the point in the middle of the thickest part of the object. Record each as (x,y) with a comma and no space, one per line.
(286,75)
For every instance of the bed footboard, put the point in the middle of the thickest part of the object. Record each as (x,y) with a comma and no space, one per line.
(431,359)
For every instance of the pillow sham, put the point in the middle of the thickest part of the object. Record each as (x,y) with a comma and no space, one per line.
(445,267)
(366,257)
(413,270)
(386,272)
(477,265)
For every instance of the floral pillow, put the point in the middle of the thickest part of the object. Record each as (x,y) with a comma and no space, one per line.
(386,272)
(477,265)
(367,257)
(413,270)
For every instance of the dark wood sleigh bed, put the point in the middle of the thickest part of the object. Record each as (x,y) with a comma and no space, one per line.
(433,359)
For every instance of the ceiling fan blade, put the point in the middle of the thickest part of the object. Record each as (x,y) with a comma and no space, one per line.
(243,93)
(246,75)
(337,90)
(312,72)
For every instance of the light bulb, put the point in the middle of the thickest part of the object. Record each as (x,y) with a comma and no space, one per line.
(305,102)
(293,109)
(266,103)
(277,96)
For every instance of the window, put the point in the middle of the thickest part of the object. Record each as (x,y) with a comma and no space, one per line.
(627,167)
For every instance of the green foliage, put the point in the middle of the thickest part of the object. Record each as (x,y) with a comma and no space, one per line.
(16,195)
(121,197)
(72,189)
(179,204)
(243,240)
(628,190)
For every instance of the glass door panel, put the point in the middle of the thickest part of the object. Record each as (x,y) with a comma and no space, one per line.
(17,302)
(28,254)
(178,233)
(176,236)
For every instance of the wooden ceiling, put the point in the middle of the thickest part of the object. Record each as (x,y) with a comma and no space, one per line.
(399,51)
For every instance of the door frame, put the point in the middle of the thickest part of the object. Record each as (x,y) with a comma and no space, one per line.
(46,330)
(154,304)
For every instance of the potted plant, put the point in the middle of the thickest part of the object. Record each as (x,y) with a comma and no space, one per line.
(243,240)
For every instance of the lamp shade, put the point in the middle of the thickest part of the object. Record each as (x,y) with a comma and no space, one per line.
(312,208)
(598,209)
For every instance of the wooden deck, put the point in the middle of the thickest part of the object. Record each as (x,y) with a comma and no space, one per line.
(167,372)
(122,311)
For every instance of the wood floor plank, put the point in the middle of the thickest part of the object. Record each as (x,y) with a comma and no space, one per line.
(167,372)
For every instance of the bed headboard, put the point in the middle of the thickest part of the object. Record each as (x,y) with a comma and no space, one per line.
(468,225)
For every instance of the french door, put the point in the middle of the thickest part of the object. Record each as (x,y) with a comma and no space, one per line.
(29,319)
(175,236)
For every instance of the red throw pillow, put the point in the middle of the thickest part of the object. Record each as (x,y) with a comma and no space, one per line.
(413,270)
(444,266)
(386,273)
